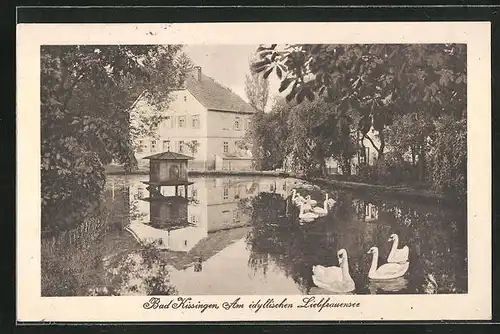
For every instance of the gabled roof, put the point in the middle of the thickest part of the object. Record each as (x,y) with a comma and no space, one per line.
(169,156)
(214,96)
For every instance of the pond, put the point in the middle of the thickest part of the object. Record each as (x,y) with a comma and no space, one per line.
(242,236)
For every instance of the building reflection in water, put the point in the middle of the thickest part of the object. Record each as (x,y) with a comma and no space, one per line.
(205,223)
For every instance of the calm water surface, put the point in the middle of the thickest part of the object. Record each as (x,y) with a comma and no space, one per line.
(241,236)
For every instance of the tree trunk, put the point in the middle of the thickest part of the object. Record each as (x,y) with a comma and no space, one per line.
(359,143)
(382,146)
(413,154)
(346,166)
(421,163)
(323,168)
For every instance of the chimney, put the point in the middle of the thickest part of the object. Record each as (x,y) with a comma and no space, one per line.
(198,72)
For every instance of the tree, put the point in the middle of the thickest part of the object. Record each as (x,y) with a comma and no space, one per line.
(87,95)
(371,82)
(374,85)
(449,157)
(349,76)
(257,90)
(316,132)
(268,134)
(193,146)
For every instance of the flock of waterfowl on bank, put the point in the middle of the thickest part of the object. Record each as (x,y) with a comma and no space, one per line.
(337,278)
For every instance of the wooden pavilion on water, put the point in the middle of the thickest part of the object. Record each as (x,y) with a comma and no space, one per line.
(168,169)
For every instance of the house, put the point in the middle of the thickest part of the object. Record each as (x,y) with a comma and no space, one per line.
(368,157)
(205,120)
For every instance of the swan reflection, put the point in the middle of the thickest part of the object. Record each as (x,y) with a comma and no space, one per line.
(392,285)
(314,290)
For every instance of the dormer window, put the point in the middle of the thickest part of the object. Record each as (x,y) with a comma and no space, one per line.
(195,121)
(237,123)
(166,145)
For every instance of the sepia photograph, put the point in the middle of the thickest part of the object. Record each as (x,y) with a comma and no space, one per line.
(254,169)
(159,179)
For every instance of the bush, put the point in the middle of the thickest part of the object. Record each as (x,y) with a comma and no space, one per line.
(391,171)
(449,158)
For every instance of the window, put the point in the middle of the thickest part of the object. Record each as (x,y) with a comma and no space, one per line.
(284,186)
(237,124)
(194,219)
(226,147)
(169,122)
(140,146)
(225,194)
(185,98)
(173,173)
(181,146)
(195,121)
(194,147)
(236,216)
(182,121)
(153,146)
(166,145)
(140,193)
(249,124)
(194,192)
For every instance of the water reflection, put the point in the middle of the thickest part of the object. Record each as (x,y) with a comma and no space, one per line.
(391,285)
(241,236)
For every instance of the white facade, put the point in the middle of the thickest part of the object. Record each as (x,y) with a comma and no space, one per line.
(185,123)
(211,133)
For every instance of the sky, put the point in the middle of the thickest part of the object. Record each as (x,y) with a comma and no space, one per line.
(228,65)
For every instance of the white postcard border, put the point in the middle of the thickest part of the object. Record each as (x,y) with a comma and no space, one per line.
(475,305)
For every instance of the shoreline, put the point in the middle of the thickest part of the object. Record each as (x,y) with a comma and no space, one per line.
(403,192)
(391,191)
(116,170)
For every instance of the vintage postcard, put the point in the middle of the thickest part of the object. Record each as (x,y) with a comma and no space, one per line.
(253,172)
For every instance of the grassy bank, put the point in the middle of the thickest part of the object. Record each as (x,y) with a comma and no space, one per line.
(403,192)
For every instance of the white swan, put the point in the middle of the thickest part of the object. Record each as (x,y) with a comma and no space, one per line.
(397,255)
(335,279)
(321,211)
(307,207)
(306,217)
(385,271)
(297,198)
(310,201)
